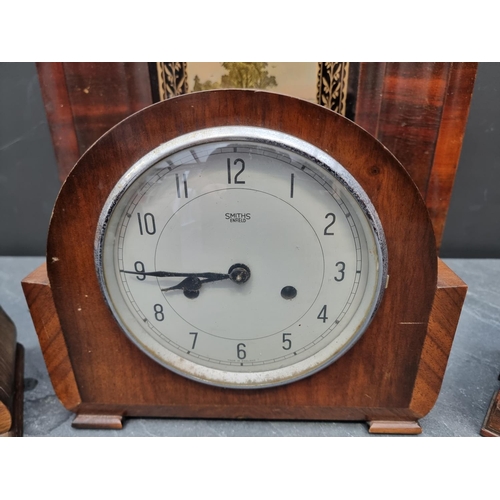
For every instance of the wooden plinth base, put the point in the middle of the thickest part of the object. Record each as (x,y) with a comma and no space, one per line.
(85,421)
(102,402)
(491,425)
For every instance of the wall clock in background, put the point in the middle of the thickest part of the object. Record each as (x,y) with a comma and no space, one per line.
(242,254)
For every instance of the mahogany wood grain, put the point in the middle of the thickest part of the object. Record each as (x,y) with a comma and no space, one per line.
(84,100)
(409,120)
(374,381)
(419,111)
(369,99)
(401,104)
(38,295)
(454,116)
(55,94)
(448,302)
(7,370)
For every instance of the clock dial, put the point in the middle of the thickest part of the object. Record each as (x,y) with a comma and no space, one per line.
(241,257)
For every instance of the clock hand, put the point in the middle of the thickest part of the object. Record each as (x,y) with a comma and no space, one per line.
(167,274)
(239,273)
(191,284)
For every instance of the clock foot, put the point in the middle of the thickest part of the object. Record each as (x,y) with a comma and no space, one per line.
(87,421)
(394,427)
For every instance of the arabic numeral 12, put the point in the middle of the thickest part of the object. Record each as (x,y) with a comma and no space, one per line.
(236,162)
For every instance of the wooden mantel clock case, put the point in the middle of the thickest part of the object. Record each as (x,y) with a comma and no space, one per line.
(242,254)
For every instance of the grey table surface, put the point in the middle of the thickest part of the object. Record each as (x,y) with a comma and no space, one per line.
(470,381)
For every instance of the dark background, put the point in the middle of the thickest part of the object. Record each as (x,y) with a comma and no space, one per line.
(29,182)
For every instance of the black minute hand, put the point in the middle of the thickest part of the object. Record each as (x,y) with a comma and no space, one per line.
(167,274)
(191,284)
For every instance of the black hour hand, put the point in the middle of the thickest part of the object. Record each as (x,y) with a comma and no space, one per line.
(191,284)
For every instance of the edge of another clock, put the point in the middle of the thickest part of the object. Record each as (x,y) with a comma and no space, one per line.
(491,424)
(449,297)
(17,408)
(11,379)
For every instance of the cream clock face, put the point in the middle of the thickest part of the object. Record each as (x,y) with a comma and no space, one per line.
(241,257)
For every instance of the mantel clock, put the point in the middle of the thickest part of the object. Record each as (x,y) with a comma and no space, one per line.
(243,254)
